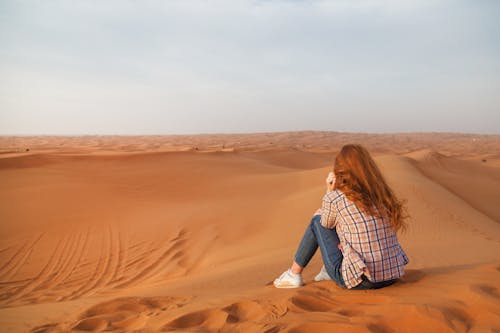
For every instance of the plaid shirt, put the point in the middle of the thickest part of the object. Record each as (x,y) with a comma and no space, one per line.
(369,244)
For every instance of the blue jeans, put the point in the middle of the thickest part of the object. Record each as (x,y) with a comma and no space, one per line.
(328,241)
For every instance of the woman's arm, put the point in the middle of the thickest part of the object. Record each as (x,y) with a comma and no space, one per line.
(328,211)
(330,183)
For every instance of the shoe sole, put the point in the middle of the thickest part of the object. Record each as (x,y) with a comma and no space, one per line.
(290,286)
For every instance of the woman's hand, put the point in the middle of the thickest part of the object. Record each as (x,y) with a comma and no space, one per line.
(330,182)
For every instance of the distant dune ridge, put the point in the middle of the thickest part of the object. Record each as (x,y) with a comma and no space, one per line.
(185,233)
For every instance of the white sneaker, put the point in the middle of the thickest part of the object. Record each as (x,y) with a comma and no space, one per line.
(322,275)
(289,280)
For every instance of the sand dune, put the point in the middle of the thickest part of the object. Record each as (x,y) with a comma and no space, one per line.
(122,234)
(474,181)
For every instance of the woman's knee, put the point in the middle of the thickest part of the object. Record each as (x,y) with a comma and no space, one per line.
(316,224)
(316,220)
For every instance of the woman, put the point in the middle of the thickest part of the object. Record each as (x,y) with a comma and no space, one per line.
(355,229)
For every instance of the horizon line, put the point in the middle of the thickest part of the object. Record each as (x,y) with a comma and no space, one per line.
(248,133)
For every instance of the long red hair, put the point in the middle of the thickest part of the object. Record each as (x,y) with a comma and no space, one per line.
(359,178)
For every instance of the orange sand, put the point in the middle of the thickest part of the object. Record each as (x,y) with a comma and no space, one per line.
(185,233)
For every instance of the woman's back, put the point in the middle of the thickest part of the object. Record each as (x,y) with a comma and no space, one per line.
(369,243)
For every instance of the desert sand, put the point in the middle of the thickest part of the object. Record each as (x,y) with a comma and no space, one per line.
(186,234)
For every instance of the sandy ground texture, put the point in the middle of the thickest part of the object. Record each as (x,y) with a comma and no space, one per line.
(186,234)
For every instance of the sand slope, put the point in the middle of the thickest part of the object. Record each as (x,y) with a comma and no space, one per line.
(189,241)
(474,181)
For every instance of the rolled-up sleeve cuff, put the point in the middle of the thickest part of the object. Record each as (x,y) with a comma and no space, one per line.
(328,211)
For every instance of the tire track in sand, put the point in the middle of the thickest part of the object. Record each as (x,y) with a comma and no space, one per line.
(12,266)
(6,249)
(74,255)
(169,251)
(64,259)
(112,260)
(11,261)
(111,270)
(92,281)
(107,266)
(42,276)
(79,258)
(122,257)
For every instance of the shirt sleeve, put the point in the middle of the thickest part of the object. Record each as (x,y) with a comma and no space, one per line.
(329,209)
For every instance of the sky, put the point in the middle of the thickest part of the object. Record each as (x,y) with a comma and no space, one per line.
(228,66)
